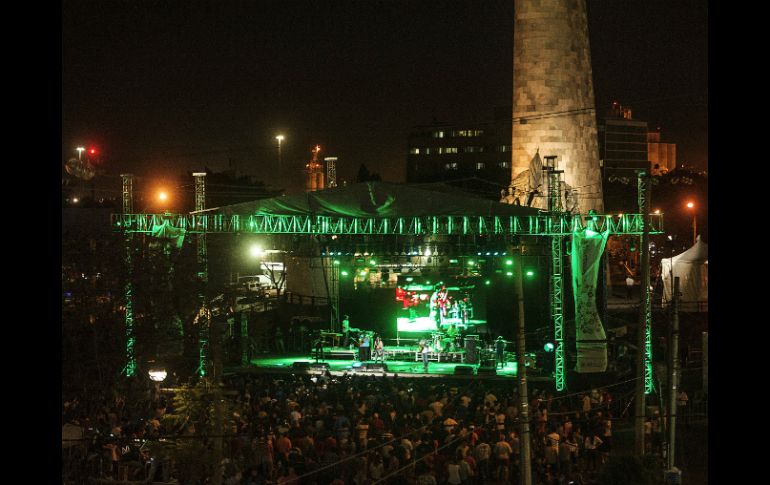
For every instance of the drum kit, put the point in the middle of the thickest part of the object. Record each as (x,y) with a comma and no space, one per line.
(441,342)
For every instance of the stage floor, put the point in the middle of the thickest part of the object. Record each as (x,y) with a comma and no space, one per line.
(405,366)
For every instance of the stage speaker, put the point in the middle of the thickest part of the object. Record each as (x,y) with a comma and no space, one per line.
(375,367)
(463,370)
(487,371)
(471,344)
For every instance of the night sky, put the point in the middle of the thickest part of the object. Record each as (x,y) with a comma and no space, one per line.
(162,87)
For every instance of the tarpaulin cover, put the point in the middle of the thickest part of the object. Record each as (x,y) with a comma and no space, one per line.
(375,199)
(591,345)
(692,268)
(166,231)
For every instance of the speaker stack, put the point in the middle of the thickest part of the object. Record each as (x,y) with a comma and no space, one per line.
(471,346)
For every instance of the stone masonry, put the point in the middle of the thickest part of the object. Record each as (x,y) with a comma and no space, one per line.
(553,94)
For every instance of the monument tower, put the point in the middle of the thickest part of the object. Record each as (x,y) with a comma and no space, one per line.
(554,112)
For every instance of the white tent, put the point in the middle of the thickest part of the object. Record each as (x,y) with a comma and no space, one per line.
(692,268)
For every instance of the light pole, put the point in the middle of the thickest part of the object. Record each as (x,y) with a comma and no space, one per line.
(280,138)
(157,375)
(691,206)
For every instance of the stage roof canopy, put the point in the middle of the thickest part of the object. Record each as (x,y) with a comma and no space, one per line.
(375,199)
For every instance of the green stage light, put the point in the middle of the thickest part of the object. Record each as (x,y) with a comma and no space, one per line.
(548,347)
(487,282)
(509,262)
(336,262)
(363,272)
(427,282)
(453,261)
(409,278)
(470,262)
(373,262)
(509,273)
(441,282)
(530,272)
(344,273)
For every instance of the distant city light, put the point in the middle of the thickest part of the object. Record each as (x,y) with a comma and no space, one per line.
(75,200)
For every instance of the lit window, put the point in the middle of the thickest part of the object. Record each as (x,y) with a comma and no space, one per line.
(480,166)
(473,149)
(438,134)
(504,148)
(414,151)
(451,166)
(504,164)
(427,151)
(450,150)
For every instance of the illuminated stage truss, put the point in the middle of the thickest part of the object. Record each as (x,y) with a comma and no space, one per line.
(556,225)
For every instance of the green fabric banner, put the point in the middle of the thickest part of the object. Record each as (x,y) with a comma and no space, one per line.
(591,341)
(165,231)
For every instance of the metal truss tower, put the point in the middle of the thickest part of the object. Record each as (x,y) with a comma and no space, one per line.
(128,292)
(556,284)
(204,316)
(643,182)
(331,171)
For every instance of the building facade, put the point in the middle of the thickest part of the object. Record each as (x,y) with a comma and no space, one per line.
(662,155)
(452,151)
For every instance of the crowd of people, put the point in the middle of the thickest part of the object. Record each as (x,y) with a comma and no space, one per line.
(359,430)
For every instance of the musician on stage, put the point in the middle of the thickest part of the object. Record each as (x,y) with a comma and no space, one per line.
(346,331)
(424,351)
(379,350)
(318,346)
(500,349)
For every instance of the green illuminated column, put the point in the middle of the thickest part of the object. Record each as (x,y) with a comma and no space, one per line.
(644,333)
(553,178)
(128,206)
(557,311)
(646,310)
(204,320)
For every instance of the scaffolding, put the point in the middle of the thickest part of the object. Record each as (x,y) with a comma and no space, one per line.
(203,276)
(556,283)
(643,194)
(128,292)
(560,224)
(555,224)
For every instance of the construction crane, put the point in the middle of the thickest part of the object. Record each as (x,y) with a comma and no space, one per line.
(314,171)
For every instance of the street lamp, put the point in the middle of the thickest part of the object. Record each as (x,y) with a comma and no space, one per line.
(157,375)
(691,206)
(280,138)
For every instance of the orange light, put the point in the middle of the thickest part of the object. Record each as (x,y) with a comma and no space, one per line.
(690,205)
(162,196)
(657,211)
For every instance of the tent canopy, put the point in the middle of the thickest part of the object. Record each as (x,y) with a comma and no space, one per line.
(691,267)
(375,199)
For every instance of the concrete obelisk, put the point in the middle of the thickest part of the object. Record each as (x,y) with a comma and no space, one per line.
(553,96)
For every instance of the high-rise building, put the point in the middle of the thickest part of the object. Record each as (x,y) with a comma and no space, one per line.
(662,155)
(622,143)
(451,151)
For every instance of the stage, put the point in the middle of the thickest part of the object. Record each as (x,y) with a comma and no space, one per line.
(401,361)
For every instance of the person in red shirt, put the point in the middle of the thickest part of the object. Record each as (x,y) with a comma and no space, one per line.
(282,447)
